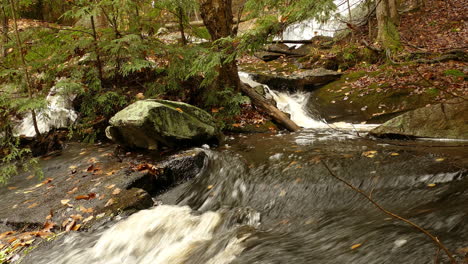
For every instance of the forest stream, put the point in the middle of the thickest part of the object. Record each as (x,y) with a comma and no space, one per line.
(268,198)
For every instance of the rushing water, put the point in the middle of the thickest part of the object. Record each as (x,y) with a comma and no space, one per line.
(58,113)
(267,198)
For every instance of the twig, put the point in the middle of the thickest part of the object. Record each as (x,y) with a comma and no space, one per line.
(361,192)
(436,258)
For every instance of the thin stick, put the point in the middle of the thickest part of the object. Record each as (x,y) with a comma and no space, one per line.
(361,192)
(25,66)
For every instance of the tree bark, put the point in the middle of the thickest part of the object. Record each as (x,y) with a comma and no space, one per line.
(181,15)
(387,20)
(218,19)
(4,18)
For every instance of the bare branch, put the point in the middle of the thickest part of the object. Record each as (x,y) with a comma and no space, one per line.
(361,192)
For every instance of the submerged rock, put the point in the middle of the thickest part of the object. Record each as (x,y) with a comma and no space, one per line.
(445,120)
(303,80)
(151,123)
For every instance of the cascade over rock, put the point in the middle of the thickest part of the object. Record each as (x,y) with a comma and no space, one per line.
(303,80)
(445,120)
(152,123)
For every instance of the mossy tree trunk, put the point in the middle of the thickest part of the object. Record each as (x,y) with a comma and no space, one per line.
(387,22)
(4,22)
(218,19)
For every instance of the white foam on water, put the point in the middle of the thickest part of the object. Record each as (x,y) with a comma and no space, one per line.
(296,105)
(164,235)
(307,29)
(59,113)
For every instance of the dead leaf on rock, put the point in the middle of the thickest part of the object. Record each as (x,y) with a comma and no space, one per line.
(87,219)
(110,186)
(116,191)
(70,225)
(86,210)
(88,196)
(76,217)
(110,202)
(33,205)
(356,246)
(369,154)
(72,191)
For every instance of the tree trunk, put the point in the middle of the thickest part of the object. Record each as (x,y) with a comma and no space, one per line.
(96,49)
(4,18)
(387,21)
(181,16)
(218,19)
(25,66)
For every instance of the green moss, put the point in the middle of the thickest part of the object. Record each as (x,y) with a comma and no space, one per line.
(390,38)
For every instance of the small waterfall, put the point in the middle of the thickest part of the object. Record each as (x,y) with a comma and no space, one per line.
(59,113)
(296,105)
(164,235)
(310,28)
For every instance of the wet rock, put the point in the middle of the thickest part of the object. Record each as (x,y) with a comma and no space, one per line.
(152,123)
(444,120)
(302,80)
(89,181)
(267,55)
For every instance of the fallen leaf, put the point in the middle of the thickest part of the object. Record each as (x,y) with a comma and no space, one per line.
(86,210)
(70,225)
(86,196)
(72,191)
(76,227)
(87,219)
(394,154)
(109,202)
(30,177)
(439,159)
(12,188)
(140,96)
(76,217)
(110,186)
(116,191)
(101,215)
(48,180)
(356,246)
(48,226)
(282,193)
(179,110)
(209,187)
(65,201)
(431,185)
(33,205)
(369,154)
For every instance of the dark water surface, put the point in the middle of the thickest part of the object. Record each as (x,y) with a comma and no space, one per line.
(269,199)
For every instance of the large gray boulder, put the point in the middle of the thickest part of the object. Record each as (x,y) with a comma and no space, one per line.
(444,120)
(302,80)
(152,123)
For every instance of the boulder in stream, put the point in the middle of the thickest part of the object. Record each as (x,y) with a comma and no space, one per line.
(444,120)
(301,80)
(152,123)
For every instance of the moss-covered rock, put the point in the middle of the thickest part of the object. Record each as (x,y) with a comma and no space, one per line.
(375,103)
(151,123)
(444,120)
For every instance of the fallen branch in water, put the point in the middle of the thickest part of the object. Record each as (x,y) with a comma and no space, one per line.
(361,192)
